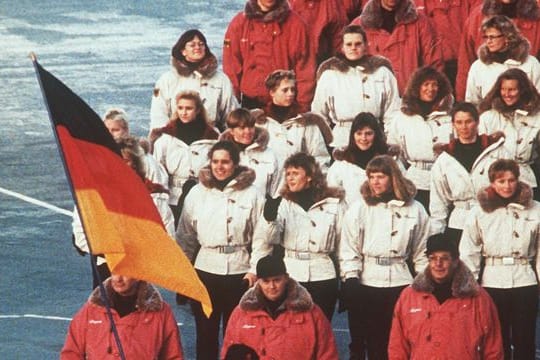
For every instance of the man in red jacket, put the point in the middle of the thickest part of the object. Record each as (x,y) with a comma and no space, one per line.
(267,36)
(445,313)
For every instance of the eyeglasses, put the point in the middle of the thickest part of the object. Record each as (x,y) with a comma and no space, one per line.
(433,258)
(491,37)
(193,45)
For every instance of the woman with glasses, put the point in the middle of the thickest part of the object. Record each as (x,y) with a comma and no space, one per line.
(504,47)
(383,239)
(194,67)
(500,245)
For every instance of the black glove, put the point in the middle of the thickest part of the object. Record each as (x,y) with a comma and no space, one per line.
(271,207)
(349,293)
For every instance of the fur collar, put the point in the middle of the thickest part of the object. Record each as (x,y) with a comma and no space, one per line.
(464,284)
(531,108)
(369,63)
(485,141)
(342,154)
(519,52)
(298,299)
(148,297)
(371,16)
(261,137)
(327,192)
(245,178)
(413,107)
(207,67)
(279,13)
(526,9)
(409,192)
(490,201)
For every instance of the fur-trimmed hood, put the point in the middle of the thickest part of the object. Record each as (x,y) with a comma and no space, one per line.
(261,137)
(413,108)
(207,67)
(371,16)
(519,52)
(245,177)
(490,201)
(279,13)
(485,141)
(148,297)
(409,192)
(526,9)
(298,298)
(464,284)
(170,129)
(369,64)
(530,108)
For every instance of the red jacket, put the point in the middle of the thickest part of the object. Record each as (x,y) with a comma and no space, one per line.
(465,326)
(148,333)
(300,331)
(412,44)
(527,21)
(257,44)
(448,17)
(326,19)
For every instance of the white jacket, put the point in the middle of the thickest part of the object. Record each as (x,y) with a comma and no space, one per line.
(181,161)
(380,233)
(507,237)
(522,133)
(221,223)
(343,91)
(483,76)
(309,238)
(215,91)
(259,157)
(453,189)
(348,176)
(416,137)
(298,134)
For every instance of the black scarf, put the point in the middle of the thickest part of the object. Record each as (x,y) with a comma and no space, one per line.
(467,154)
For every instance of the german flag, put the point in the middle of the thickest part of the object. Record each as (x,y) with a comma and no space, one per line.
(118,215)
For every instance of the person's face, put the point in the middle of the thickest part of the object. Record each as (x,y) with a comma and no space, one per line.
(243,134)
(124,285)
(465,126)
(266,5)
(297,179)
(495,40)
(510,92)
(274,287)
(364,138)
(379,183)
(353,46)
(221,165)
(116,129)
(186,110)
(441,266)
(195,50)
(285,93)
(505,184)
(429,90)
(390,4)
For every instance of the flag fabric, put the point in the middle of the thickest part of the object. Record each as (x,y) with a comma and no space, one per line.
(118,214)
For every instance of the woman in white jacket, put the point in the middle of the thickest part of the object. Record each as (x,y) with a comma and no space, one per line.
(382,242)
(423,122)
(215,232)
(353,82)
(193,67)
(306,222)
(513,107)
(503,48)
(501,241)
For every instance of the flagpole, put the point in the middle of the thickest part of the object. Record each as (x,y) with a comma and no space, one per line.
(34,201)
(104,296)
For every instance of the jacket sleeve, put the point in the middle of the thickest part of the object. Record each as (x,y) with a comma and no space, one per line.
(399,347)
(472,91)
(262,238)
(160,107)
(350,260)
(326,343)
(171,348)
(228,102)
(439,205)
(75,344)
(466,56)
(186,233)
(392,101)
(419,240)
(321,99)
(303,65)
(430,42)
(232,54)
(316,147)
(493,346)
(231,334)
(275,180)
(471,244)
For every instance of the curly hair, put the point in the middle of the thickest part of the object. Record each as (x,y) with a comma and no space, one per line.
(411,97)
(507,27)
